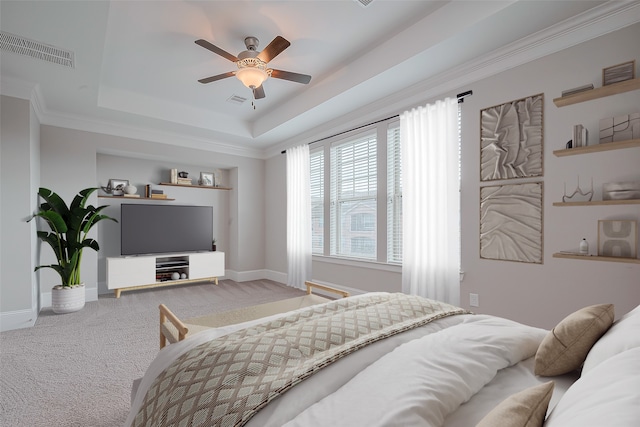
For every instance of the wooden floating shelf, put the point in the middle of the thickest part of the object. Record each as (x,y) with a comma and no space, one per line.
(136,198)
(597,258)
(600,92)
(208,187)
(599,203)
(607,146)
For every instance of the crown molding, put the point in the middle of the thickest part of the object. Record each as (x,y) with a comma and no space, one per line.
(31,92)
(596,22)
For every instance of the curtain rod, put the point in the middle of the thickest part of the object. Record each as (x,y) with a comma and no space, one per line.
(460,97)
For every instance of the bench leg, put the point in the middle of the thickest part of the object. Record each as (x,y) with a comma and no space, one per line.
(117,292)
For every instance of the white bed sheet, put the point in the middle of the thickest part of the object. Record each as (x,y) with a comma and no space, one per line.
(333,377)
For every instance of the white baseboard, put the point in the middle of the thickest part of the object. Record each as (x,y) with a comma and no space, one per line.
(17,319)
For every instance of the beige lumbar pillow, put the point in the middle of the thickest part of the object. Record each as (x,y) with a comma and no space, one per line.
(566,346)
(524,409)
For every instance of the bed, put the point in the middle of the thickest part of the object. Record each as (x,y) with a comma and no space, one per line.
(382,359)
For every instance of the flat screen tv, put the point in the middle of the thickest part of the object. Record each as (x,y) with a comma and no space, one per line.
(158,229)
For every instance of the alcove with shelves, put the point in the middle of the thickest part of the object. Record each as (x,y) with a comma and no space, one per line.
(613,89)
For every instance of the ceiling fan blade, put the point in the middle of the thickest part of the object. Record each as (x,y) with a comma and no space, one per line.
(217,77)
(274,49)
(258,93)
(288,75)
(215,49)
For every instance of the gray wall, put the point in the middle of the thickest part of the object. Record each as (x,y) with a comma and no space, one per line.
(19,181)
(540,295)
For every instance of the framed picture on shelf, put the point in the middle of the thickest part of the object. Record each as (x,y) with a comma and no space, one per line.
(618,238)
(206,178)
(619,73)
(117,186)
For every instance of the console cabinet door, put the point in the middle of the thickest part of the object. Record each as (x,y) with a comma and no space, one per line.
(205,265)
(133,271)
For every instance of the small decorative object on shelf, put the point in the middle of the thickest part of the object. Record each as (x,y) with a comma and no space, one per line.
(175,276)
(213,245)
(207,179)
(580,136)
(622,128)
(578,194)
(183,178)
(621,190)
(618,238)
(619,73)
(577,90)
(174,176)
(116,187)
(130,189)
(584,246)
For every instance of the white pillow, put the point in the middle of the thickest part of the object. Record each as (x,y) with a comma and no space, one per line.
(623,335)
(609,395)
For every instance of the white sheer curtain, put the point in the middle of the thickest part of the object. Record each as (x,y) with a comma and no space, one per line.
(298,216)
(431,201)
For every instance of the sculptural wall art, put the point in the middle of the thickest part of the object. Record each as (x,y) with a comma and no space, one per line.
(511,149)
(511,139)
(511,222)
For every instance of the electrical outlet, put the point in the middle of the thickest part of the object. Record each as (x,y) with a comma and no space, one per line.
(474,300)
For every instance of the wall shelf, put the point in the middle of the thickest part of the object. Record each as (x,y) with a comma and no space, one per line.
(600,92)
(607,146)
(208,187)
(597,258)
(599,203)
(135,198)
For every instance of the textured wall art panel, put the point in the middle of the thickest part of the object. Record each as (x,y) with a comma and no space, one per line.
(511,139)
(511,222)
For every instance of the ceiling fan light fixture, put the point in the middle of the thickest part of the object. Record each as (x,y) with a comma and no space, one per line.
(252,72)
(251,77)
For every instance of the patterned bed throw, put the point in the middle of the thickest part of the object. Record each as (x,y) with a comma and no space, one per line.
(224,382)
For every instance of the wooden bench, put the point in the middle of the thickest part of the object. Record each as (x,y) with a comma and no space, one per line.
(173,329)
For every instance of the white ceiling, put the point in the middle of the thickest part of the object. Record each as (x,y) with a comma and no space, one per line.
(137,66)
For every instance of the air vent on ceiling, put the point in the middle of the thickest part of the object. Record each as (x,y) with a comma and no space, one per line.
(236,99)
(364,3)
(23,46)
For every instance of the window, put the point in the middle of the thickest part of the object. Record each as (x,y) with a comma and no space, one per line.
(354,193)
(363,222)
(317,201)
(363,246)
(394,196)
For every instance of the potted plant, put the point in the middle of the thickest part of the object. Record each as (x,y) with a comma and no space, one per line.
(69,226)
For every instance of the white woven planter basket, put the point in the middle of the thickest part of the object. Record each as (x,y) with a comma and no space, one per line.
(67,299)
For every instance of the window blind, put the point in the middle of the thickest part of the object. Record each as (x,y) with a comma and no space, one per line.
(353,194)
(316,159)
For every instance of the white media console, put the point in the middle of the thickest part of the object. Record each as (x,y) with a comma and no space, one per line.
(144,271)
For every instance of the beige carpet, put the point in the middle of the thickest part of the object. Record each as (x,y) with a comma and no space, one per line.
(77,369)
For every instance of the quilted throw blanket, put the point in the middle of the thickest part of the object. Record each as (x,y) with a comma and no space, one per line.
(225,381)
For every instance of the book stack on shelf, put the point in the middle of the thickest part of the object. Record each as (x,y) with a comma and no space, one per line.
(132,196)
(580,136)
(158,194)
(184,181)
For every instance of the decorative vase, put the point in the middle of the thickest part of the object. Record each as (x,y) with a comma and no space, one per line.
(130,189)
(67,299)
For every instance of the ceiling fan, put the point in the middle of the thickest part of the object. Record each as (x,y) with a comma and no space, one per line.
(252,64)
